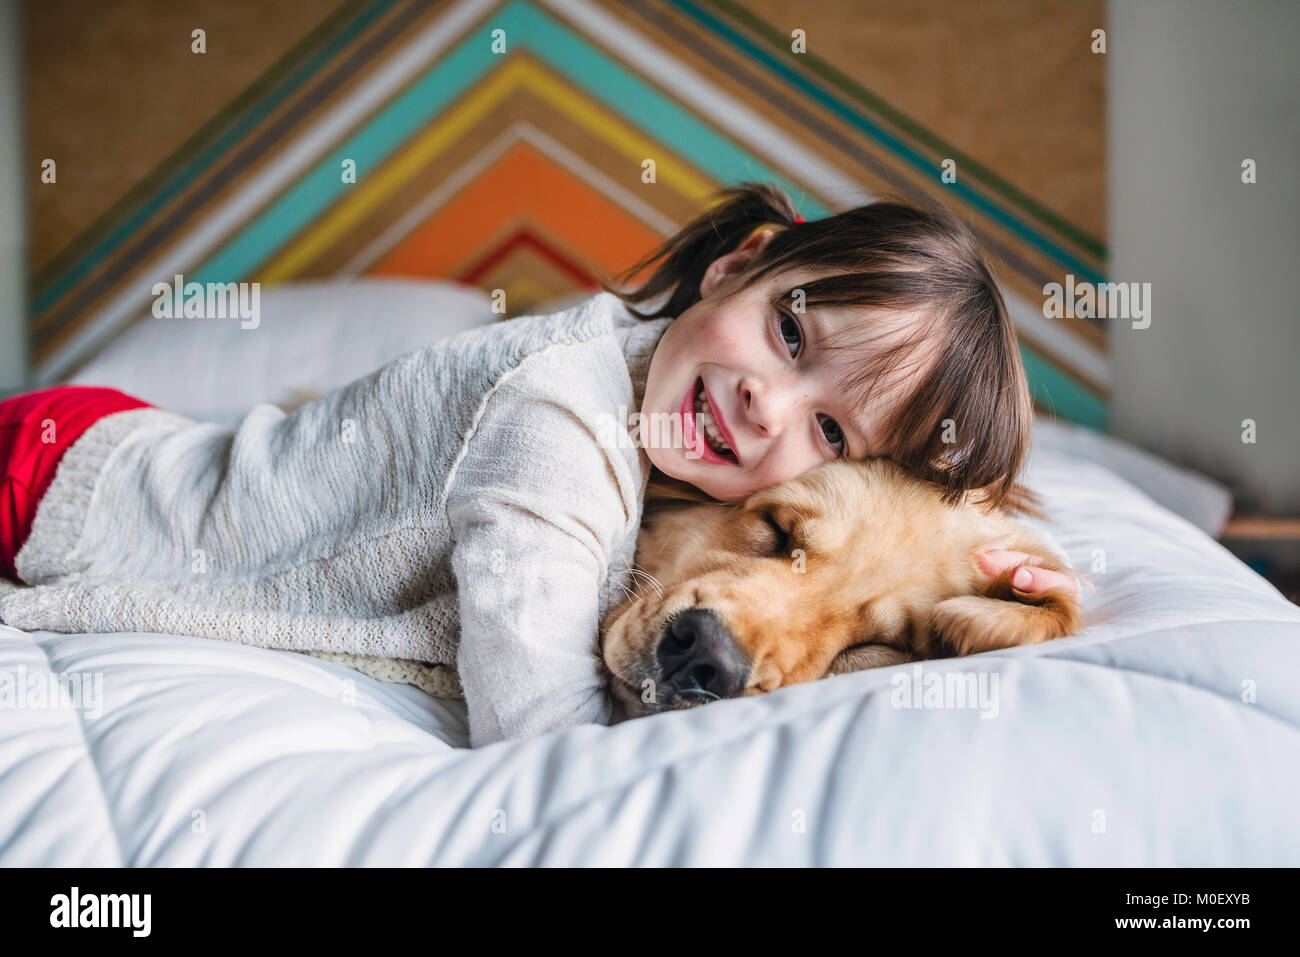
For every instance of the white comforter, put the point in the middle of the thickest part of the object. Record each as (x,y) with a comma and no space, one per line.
(1168,733)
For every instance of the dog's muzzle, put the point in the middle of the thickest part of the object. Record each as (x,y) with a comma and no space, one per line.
(699,657)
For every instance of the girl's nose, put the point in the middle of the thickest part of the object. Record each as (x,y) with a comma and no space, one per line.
(763,407)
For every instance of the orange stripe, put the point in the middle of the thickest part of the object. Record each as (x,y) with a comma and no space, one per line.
(589,226)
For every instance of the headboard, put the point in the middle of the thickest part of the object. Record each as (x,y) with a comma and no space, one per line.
(533,146)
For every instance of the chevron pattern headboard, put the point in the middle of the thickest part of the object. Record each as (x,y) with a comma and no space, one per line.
(503,144)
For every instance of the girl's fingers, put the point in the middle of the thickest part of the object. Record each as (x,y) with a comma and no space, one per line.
(1038,581)
(996,561)
(1028,577)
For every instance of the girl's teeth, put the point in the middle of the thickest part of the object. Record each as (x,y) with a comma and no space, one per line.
(711,430)
(705,420)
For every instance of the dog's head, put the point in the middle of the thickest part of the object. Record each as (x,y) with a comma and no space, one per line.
(853,565)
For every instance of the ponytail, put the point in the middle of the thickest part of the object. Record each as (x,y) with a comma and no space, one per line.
(685,256)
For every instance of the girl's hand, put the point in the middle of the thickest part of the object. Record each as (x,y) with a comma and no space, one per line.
(1028,576)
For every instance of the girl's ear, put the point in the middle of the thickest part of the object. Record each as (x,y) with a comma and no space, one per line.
(1002,616)
(862,657)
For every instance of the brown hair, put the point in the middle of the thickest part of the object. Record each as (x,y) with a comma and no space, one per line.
(900,258)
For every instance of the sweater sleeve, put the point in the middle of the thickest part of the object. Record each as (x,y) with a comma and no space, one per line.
(537,506)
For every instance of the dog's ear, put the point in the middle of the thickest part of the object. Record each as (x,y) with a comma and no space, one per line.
(667,494)
(862,657)
(1002,616)
(665,488)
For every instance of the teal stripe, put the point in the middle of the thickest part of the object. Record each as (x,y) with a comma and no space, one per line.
(184,177)
(564,51)
(584,64)
(893,143)
(1057,391)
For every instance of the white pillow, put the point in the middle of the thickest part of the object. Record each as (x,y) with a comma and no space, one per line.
(318,335)
(311,337)
(1198,498)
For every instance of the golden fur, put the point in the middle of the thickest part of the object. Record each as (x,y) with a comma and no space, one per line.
(853,565)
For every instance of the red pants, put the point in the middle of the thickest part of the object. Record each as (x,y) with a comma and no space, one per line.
(35,430)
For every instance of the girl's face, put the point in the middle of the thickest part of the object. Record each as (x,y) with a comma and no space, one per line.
(755,391)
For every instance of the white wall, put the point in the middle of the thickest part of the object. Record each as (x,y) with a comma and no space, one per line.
(13,224)
(1195,87)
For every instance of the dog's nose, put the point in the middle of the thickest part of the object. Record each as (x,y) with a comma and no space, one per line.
(697,653)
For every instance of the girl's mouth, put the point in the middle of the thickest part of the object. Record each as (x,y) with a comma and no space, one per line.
(700,429)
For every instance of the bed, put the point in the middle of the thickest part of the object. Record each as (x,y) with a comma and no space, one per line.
(1166,733)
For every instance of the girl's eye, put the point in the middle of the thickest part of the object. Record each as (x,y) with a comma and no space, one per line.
(831,432)
(791,334)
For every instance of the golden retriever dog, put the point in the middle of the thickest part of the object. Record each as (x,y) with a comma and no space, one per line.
(853,565)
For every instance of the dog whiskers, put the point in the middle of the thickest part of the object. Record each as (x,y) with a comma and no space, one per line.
(639,578)
(708,695)
(641,575)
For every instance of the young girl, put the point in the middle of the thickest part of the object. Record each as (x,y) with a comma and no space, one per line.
(463,505)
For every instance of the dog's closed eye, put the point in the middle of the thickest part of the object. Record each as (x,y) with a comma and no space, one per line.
(768,536)
(780,536)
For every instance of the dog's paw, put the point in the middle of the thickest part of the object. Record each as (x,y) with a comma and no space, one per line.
(862,657)
(1004,617)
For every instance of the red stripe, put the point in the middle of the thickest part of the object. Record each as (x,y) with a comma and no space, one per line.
(36,429)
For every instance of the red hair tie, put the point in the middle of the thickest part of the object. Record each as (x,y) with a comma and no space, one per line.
(799,219)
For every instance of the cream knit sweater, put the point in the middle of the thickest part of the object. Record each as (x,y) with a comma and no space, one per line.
(462,506)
